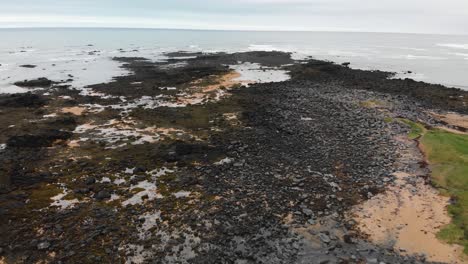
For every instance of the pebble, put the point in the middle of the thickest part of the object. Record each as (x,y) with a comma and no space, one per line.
(325,238)
(43,245)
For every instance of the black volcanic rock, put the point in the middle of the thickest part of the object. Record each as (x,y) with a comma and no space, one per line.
(22,100)
(40,82)
(41,139)
(31,66)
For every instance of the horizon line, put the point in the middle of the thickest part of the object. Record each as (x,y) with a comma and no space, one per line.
(227,30)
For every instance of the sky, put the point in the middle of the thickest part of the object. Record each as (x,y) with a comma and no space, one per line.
(405,16)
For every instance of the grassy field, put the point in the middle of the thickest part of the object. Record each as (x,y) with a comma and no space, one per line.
(447,154)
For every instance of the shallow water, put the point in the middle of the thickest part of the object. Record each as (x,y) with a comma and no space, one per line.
(86,54)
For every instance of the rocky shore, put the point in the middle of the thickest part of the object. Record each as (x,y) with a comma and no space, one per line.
(188,161)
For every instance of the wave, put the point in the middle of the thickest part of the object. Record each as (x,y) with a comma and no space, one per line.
(460,54)
(257,47)
(454,45)
(413,57)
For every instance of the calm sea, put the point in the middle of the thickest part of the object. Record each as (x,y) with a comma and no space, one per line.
(86,53)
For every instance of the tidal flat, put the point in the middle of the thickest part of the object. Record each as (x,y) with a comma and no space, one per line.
(249,157)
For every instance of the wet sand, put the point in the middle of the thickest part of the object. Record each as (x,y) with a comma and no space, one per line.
(454,119)
(408,215)
(76,110)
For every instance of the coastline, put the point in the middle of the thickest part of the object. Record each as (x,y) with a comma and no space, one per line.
(183,162)
(422,55)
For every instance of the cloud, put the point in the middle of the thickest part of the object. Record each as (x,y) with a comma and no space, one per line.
(17,21)
(424,16)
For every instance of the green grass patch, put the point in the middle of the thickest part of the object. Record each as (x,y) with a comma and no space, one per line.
(417,129)
(388,120)
(448,157)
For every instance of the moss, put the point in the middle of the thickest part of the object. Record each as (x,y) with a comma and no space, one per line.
(167,184)
(192,118)
(371,103)
(137,190)
(70,196)
(41,197)
(236,86)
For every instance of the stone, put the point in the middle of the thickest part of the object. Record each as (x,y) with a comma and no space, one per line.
(307,212)
(22,100)
(348,239)
(40,82)
(103,195)
(90,181)
(41,139)
(31,66)
(139,169)
(325,238)
(43,245)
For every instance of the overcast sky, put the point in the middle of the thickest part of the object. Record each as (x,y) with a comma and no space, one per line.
(418,16)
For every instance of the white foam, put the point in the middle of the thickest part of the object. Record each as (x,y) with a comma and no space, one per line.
(83,128)
(150,191)
(50,115)
(415,76)
(254,72)
(105,180)
(182,194)
(413,57)
(13,89)
(453,45)
(129,170)
(465,55)
(85,66)
(136,254)
(58,201)
(223,161)
(123,133)
(119,181)
(150,221)
(160,172)
(114,197)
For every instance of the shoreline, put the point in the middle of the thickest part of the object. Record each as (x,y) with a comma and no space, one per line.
(177,161)
(410,58)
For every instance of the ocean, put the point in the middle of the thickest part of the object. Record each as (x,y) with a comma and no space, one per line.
(85,54)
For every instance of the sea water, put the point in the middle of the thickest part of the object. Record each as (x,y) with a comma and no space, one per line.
(85,55)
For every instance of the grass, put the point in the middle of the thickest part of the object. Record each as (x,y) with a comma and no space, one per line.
(417,129)
(448,157)
(447,154)
(388,120)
